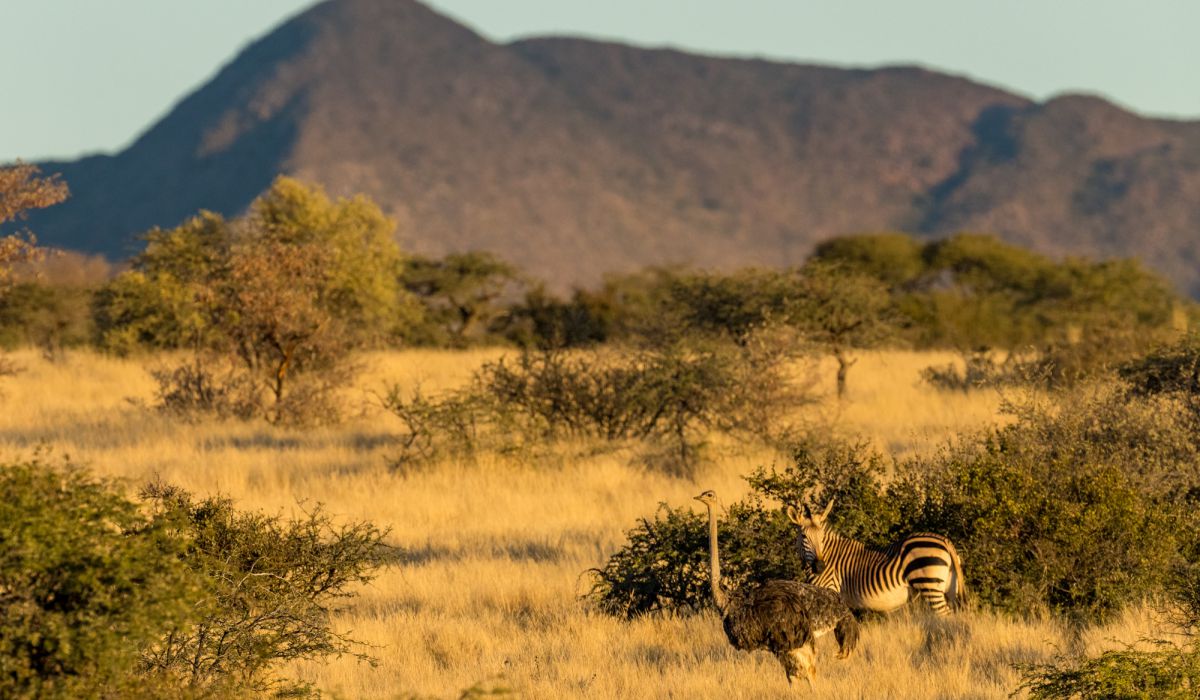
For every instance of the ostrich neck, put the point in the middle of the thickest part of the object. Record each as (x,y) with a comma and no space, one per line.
(714,562)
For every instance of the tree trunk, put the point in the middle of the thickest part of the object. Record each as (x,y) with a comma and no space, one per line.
(844,365)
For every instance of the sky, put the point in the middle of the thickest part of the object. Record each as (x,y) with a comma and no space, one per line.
(85,76)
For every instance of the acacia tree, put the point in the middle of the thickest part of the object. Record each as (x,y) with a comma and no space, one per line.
(22,189)
(461,290)
(269,308)
(272,303)
(842,310)
(164,300)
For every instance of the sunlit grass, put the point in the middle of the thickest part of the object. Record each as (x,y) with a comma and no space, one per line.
(491,553)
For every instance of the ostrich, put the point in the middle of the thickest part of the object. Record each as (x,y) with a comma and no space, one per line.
(783,617)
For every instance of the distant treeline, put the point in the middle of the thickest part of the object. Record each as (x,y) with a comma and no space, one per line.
(965,292)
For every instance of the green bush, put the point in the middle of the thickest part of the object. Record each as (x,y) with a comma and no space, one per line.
(1170,669)
(670,397)
(1074,509)
(87,582)
(48,317)
(664,567)
(453,424)
(461,295)
(968,290)
(851,474)
(100,598)
(1165,673)
(546,322)
(270,585)
(1172,370)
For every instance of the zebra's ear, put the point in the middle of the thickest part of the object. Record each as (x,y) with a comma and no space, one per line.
(828,507)
(793,514)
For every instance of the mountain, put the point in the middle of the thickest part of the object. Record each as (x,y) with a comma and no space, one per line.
(572,158)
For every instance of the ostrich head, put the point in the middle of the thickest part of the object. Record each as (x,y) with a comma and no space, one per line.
(708,498)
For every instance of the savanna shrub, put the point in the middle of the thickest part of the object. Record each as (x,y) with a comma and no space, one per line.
(670,396)
(195,388)
(1068,510)
(270,585)
(1167,672)
(1172,370)
(1170,669)
(664,567)
(1095,356)
(103,597)
(850,474)
(87,582)
(453,424)
(979,369)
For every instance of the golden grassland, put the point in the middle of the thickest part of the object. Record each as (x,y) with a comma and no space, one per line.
(486,589)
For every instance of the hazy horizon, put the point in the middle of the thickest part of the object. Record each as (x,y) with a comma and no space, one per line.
(125,66)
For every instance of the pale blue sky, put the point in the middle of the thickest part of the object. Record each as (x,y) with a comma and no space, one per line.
(89,75)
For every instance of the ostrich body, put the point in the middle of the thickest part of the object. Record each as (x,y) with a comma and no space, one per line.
(783,617)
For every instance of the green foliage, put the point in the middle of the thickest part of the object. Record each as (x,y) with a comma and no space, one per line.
(274,302)
(163,302)
(1173,369)
(179,294)
(1165,673)
(984,264)
(460,293)
(893,258)
(851,474)
(1168,669)
(454,424)
(86,583)
(1074,510)
(735,305)
(292,351)
(842,310)
(270,585)
(51,317)
(359,279)
(664,566)
(971,291)
(100,599)
(658,307)
(543,321)
(671,397)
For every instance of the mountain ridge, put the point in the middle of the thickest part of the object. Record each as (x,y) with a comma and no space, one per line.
(575,157)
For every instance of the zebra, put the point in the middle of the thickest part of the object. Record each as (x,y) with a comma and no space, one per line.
(922,564)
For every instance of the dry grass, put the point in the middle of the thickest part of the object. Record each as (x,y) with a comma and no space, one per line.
(490,553)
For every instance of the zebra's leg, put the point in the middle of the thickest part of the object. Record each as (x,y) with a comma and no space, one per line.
(936,598)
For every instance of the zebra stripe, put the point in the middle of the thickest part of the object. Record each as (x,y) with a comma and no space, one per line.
(924,565)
